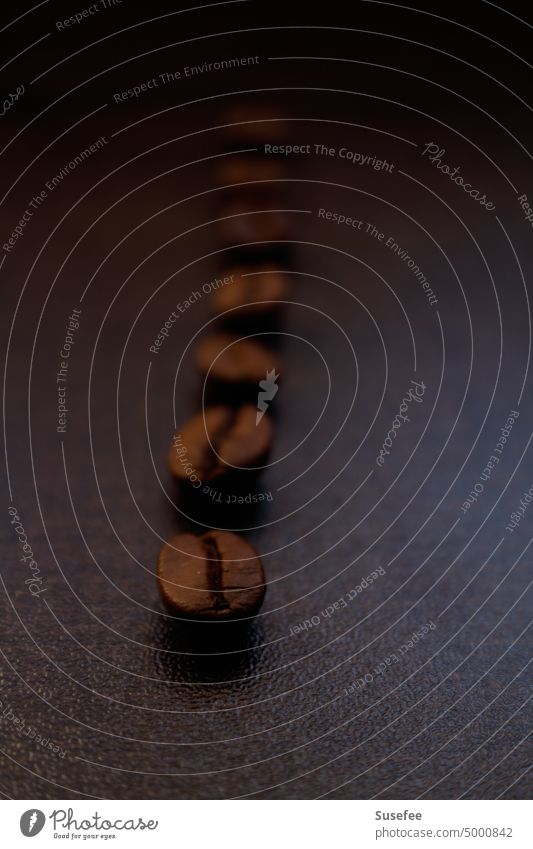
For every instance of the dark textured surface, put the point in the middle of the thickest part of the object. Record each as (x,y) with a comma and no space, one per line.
(94,664)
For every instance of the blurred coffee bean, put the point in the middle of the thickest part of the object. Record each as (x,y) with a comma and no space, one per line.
(227,358)
(247,169)
(254,291)
(250,122)
(241,222)
(221,440)
(217,576)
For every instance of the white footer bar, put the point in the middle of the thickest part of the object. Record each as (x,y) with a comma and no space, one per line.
(269,824)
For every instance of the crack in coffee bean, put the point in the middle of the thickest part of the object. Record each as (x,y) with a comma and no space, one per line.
(218,576)
(215,574)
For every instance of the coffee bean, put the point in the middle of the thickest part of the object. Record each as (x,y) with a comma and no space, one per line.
(248,170)
(240,222)
(217,576)
(254,291)
(227,358)
(213,443)
(251,122)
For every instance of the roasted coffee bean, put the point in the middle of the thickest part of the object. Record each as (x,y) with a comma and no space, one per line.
(251,122)
(242,169)
(218,576)
(227,358)
(254,291)
(239,223)
(219,441)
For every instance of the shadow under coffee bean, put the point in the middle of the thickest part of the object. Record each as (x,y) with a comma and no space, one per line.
(233,367)
(260,252)
(236,502)
(208,652)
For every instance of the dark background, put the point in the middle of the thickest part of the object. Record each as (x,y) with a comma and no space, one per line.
(142,709)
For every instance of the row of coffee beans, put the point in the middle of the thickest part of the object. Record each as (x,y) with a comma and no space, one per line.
(219,576)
